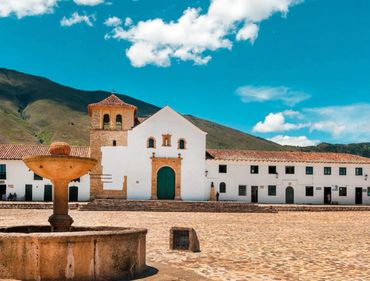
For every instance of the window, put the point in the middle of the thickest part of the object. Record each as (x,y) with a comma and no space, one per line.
(166,140)
(181,144)
(368,191)
(254,169)
(309,190)
(242,190)
(327,171)
(36,177)
(342,171)
(272,170)
(151,143)
(106,121)
(222,187)
(272,190)
(76,180)
(222,169)
(358,171)
(119,122)
(114,143)
(2,172)
(342,191)
(290,170)
(309,170)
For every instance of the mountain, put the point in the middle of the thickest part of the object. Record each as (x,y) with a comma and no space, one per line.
(34,109)
(362,149)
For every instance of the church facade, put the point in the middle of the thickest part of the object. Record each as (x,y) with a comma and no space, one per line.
(164,157)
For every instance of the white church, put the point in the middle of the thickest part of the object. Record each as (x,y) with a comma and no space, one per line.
(164,157)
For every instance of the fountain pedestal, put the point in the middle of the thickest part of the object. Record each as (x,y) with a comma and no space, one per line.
(60,220)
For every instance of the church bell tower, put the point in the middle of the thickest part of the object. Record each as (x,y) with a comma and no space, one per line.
(110,121)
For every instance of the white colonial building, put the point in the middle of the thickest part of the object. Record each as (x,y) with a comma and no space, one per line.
(16,177)
(289,177)
(164,157)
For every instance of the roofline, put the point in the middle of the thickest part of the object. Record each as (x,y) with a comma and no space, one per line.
(167,106)
(287,161)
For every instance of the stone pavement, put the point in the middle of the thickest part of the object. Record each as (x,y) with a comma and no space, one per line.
(289,246)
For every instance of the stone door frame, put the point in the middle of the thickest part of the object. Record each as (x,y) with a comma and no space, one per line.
(173,163)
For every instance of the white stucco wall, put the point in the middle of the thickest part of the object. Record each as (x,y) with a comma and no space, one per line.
(238,173)
(18,175)
(134,160)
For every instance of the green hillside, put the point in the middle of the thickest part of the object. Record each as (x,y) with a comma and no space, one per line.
(226,138)
(36,110)
(362,149)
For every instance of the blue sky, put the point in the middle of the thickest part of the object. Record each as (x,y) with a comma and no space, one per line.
(296,72)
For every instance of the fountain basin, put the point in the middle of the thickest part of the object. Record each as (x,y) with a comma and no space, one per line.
(84,253)
(59,167)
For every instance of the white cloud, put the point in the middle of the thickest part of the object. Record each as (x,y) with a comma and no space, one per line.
(295,141)
(248,32)
(344,124)
(113,21)
(195,34)
(263,94)
(348,122)
(77,18)
(128,21)
(88,2)
(22,8)
(275,122)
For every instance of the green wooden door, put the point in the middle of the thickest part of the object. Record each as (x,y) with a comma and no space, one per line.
(166,183)
(73,194)
(28,192)
(48,193)
(289,195)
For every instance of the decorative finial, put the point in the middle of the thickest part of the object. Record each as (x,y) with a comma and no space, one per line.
(60,148)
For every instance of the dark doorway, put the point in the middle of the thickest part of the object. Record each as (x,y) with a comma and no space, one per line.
(358,195)
(166,183)
(254,194)
(73,194)
(48,193)
(289,195)
(28,192)
(2,190)
(327,195)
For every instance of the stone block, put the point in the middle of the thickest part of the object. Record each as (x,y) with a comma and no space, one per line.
(184,239)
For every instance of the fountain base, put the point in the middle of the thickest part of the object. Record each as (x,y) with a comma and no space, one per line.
(84,253)
(60,223)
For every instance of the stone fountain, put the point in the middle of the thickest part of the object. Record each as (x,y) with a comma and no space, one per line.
(61,251)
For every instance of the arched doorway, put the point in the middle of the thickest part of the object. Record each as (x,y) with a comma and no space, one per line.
(289,195)
(73,194)
(166,183)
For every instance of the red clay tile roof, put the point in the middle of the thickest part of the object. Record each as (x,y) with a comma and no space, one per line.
(112,101)
(285,156)
(18,151)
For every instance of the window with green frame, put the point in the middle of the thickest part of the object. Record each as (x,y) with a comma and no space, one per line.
(327,171)
(342,191)
(309,170)
(2,171)
(242,190)
(342,171)
(359,171)
(254,169)
(289,170)
(309,190)
(272,190)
